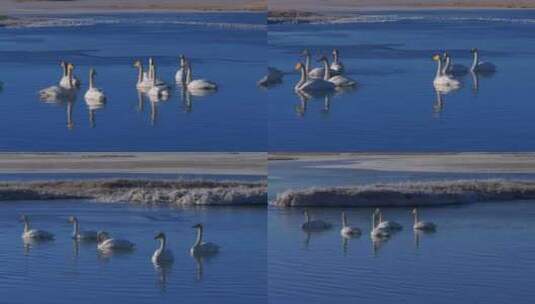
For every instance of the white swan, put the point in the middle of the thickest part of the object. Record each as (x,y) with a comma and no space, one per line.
(143,80)
(152,73)
(337,80)
(377,232)
(312,85)
(312,73)
(273,77)
(81,235)
(337,67)
(197,84)
(387,225)
(158,90)
(162,255)
(346,230)
(201,248)
(314,225)
(481,66)
(443,82)
(453,69)
(180,76)
(94,94)
(68,81)
(57,93)
(105,243)
(34,234)
(421,225)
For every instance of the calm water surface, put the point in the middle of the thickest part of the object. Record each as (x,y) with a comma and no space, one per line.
(395,106)
(228,48)
(62,271)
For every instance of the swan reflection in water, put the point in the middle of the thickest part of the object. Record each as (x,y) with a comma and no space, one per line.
(66,101)
(188,94)
(92,107)
(163,271)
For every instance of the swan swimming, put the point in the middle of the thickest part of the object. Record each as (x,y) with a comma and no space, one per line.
(314,225)
(453,69)
(34,234)
(337,67)
(481,66)
(158,90)
(273,77)
(201,248)
(387,225)
(162,255)
(376,231)
(81,235)
(197,84)
(68,81)
(143,80)
(94,94)
(57,93)
(312,85)
(337,80)
(346,230)
(443,82)
(105,243)
(421,225)
(312,73)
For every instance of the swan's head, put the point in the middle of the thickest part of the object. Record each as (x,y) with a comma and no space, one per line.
(436,57)
(377,211)
(446,54)
(305,52)
(305,212)
(102,236)
(70,66)
(92,72)
(151,61)
(335,52)
(63,63)
(137,64)
(182,59)
(159,236)
(474,50)
(414,211)
(299,66)
(23,218)
(72,219)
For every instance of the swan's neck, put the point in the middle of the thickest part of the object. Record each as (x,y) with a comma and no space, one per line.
(199,237)
(327,72)
(76,228)
(26,226)
(476,60)
(163,241)
(307,63)
(439,68)
(303,78)
(140,74)
(373,221)
(64,67)
(380,217)
(344,221)
(416,216)
(151,69)
(69,74)
(188,73)
(307,217)
(91,80)
(447,65)
(335,57)
(153,76)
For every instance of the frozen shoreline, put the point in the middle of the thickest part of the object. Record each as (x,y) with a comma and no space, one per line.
(179,193)
(408,194)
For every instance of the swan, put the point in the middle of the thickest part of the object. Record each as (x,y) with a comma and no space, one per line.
(105,243)
(34,234)
(387,225)
(65,81)
(311,85)
(421,225)
(162,255)
(143,80)
(94,94)
(197,84)
(453,69)
(152,73)
(443,82)
(337,67)
(481,66)
(201,248)
(273,77)
(157,90)
(315,72)
(314,225)
(57,93)
(346,230)
(180,76)
(376,231)
(338,80)
(81,235)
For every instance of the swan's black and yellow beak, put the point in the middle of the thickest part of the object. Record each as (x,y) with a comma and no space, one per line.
(436,57)
(298,66)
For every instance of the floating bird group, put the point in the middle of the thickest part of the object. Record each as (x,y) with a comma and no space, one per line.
(107,244)
(380,228)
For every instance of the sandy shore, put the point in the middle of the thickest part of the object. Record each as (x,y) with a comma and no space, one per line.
(444,162)
(79,6)
(176,163)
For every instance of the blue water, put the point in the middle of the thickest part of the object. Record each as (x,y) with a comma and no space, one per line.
(395,105)
(63,271)
(228,48)
(476,250)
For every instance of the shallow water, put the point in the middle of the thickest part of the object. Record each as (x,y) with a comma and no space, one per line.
(61,272)
(476,251)
(394,107)
(228,48)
